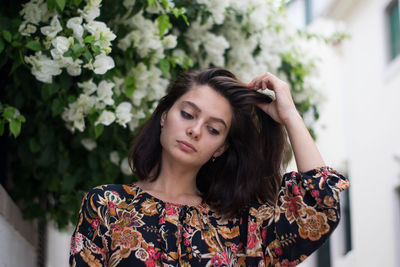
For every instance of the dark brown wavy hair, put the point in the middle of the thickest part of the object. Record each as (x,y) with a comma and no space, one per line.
(248,171)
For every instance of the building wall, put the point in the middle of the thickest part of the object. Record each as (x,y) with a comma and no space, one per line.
(18,238)
(361,120)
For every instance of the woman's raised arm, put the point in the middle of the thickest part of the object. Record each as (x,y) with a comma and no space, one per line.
(283,110)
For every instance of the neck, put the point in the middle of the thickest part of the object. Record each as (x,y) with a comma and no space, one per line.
(176,179)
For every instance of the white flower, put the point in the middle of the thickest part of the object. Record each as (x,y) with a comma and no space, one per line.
(88,87)
(32,12)
(53,29)
(136,116)
(43,68)
(106,118)
(61,45)
(102,34)
(62,61)
(119,85)
(114,157)
(125,167)
(144,37)
(104,92)
(89,13)
(169,41)
(102,63)
(180,54)
(123,113)
(79,124)
(26,29)
(129,3)
(88,143)
(94,2)
(149,83)
(75,69)
(85,103)
(75,24)
(217,9)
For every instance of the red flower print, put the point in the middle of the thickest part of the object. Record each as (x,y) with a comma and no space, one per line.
(253,227)
(186,242)
(171,209)
(77,243)
(278,251)
(296,190)
(150,262)
(315,193)
(96,223)
(251,243)
(216,261)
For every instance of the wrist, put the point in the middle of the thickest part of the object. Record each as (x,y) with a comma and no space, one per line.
(293,117)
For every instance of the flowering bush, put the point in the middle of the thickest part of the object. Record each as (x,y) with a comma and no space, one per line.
(86,73)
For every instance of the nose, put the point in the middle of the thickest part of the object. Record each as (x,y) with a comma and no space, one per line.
(194,131)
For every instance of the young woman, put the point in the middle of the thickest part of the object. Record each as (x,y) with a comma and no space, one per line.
(210,189)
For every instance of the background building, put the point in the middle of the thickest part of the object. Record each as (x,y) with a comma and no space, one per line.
(360,125)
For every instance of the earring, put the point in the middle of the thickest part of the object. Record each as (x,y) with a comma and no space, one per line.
(213,158)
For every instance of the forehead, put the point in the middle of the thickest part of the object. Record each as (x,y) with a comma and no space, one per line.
(210,102)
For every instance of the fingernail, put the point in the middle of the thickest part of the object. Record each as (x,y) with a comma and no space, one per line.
(249,84)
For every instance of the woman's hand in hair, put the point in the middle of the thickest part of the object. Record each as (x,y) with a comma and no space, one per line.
(282,109)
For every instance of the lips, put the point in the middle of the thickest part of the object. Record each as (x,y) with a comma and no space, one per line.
(187,146)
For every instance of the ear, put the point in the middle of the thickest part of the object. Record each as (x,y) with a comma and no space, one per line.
(163,117)
(221,150)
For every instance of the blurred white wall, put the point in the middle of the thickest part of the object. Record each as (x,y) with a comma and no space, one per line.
(360,126)
(18,238)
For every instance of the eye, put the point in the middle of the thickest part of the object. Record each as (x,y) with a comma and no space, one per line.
(186,115)
(213,131)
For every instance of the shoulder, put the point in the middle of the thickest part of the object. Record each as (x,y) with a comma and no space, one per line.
(110,193)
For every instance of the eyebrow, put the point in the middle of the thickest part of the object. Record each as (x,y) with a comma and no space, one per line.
(197,109)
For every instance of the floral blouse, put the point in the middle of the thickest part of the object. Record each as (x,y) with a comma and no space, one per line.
(122,225)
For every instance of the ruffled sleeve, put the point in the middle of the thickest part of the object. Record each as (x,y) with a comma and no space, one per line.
(306,213)
(88,244)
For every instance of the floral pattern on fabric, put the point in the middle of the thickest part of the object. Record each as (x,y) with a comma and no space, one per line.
(122,225)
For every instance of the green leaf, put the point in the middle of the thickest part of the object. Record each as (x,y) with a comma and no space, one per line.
(9,112)
(77,49)
(178,11)
(7,36)
(15,127)
(150,2)
(34,45)
(165,3)
(98,130)
(89,39)
(51,4)
(2,122)
(61,4)
(48,90)
(21,118)
(96,49)
(77,2)
(16,44)
(57,107)
(164,66)
(34,145)
(1,46)
(130,85)
(163,24)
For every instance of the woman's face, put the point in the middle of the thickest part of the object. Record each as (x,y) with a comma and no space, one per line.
(196,126)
